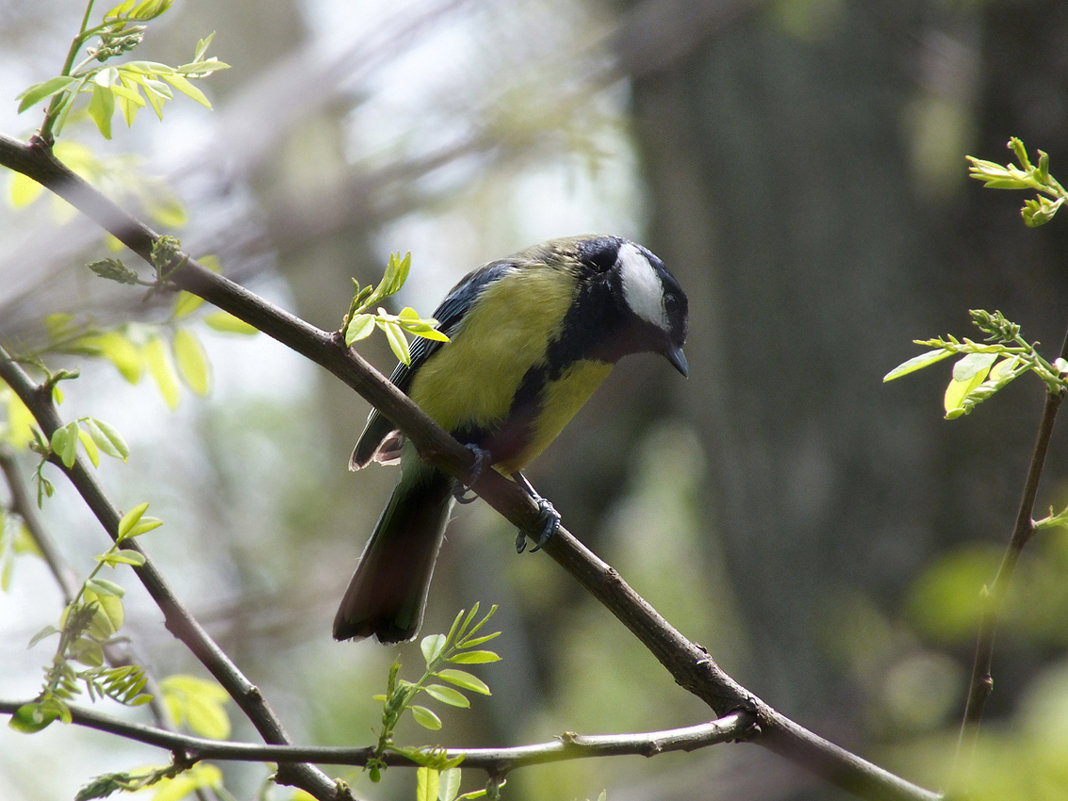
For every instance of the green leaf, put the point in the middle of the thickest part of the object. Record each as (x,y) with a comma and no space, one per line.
(161,368)
(107,438)
(126,556)
(426,784)
(471,642)
(197,703)
(447,695)
(474,657)
(398,343)
(202,47)
(31,718)
(426,718)
(227,323)
(129,520)
(64,443)
(104,587)
(40,91)
(192,362)
(448,784)
(185,86)
(461,678)
(186,304)
(47,631)
(359,327)
(203,775)
(968,374)
(117,348)
(102,107)
(917,363)
(108,617)
(23,190)
(972,365)
(432,646)
(149,9)
(90,447)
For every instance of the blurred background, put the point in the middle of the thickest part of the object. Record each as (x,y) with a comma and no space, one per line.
(798,164)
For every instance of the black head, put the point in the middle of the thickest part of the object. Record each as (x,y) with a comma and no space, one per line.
(644,307)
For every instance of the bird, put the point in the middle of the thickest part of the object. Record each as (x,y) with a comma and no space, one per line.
(531,336)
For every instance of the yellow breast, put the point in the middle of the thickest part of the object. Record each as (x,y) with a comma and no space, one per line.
(472,380)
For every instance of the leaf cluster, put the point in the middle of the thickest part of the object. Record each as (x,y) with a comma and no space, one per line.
(986,367)
(173,782)
(1051,195)
(442,683)
(126,87)
(360,323)
(88,623)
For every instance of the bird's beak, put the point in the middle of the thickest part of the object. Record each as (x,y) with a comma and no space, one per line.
(678,361)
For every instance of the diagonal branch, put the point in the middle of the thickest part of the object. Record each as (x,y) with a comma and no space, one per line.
(688,663)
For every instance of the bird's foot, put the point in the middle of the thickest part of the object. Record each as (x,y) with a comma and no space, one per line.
(548,518)
(462,492)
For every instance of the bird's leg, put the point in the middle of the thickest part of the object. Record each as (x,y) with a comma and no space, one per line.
(549,517)
(462,492)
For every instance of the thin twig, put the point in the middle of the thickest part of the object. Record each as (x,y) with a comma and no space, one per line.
(496,761)
(689,664)
(23,506)
(982,681)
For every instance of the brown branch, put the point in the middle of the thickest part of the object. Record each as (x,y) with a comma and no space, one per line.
(689,664)
(981,684)
(495,761)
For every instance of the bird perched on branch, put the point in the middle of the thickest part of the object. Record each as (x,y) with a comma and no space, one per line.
(531,337)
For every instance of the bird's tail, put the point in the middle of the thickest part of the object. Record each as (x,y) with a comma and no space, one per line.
(387,593)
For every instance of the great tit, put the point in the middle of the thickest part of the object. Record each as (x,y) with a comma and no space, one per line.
(531,337)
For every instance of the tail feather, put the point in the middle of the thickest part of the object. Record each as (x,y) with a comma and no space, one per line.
(387,594)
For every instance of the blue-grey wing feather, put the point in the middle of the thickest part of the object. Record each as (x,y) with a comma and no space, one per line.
(380,440)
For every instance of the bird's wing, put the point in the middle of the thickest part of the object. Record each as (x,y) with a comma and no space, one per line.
(380,440)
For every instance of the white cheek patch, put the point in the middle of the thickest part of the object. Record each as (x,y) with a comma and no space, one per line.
(641,286)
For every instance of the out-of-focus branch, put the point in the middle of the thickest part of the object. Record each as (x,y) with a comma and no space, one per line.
(23,506)
(689,664)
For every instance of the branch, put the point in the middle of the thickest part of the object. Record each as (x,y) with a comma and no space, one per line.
(23,506)
(178,619)
(689,664)
(982,681)
(496,761)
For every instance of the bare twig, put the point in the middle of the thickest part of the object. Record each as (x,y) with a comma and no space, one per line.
(689,664)
(23,506)
(982,681)
(496,761)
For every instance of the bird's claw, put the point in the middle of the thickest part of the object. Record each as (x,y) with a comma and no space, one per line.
(462,492)
(550,522)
